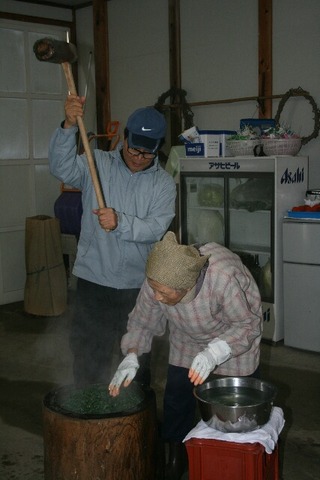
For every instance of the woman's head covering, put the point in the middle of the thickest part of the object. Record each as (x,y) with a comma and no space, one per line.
(176,266)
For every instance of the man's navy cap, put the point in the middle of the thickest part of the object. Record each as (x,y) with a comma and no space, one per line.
(146,127)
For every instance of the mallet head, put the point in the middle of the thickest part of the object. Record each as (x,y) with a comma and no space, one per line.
(55,51)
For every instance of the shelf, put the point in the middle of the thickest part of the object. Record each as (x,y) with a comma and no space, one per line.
(236,210)
(304,215)
(255,249)
(199,207)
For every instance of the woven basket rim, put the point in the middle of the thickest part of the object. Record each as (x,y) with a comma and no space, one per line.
(283,140)
(243,140)
(240,148)
(281,146)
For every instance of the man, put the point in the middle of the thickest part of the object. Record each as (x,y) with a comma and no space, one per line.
(213,308)
(114,241)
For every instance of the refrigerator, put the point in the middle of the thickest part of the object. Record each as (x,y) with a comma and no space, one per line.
(240,202)
(301,273)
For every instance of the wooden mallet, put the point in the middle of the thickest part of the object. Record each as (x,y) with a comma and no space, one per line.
(65,53)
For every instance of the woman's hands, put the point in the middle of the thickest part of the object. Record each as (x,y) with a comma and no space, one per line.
(217,352)
(125,374)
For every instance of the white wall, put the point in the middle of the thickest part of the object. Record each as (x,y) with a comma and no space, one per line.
(296,36)
(219,43)
(86,65)
(219,60)
(139,54)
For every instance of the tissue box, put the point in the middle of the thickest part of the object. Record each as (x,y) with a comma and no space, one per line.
(213,144)
(219,460)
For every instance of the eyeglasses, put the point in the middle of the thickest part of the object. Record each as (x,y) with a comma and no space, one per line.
(135,153)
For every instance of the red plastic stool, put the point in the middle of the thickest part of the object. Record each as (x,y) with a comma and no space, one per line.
(219,460)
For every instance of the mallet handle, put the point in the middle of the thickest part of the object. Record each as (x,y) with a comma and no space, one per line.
(93,172)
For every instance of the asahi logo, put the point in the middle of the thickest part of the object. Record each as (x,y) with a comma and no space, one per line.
(293,177)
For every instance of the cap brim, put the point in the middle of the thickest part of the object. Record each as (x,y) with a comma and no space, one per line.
(140,141)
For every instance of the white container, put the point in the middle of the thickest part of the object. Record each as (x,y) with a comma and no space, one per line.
(301,277)
(211,142)
(215,142)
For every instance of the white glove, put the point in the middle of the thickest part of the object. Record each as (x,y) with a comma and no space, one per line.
(125,373)
(217,352)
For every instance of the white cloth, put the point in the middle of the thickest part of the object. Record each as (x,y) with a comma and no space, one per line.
(267,435)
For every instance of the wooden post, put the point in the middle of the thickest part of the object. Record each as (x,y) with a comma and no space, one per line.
(175,66)
(265,57)
(101,57)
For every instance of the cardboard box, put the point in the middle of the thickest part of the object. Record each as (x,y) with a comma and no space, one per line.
(211,141)
(213,144)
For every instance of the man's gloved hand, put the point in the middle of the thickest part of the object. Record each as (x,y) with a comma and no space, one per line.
(125,373)
(217,352)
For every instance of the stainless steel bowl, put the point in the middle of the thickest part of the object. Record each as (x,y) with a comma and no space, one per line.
(235,404)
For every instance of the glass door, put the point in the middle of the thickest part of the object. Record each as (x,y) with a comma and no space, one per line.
(234,210)
(203,209)
(250,220)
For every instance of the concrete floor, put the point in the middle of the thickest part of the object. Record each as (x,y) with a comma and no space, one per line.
(35,359)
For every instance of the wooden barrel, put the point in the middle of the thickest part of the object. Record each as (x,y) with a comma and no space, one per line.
(99,446)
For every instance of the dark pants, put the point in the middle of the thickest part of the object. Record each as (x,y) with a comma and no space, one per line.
(179,404)
(99,322)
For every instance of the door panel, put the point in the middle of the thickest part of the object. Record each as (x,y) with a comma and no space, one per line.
(32,95)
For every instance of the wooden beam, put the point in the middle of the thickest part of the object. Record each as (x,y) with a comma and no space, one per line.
(101,57)
(265,57)
(234,100)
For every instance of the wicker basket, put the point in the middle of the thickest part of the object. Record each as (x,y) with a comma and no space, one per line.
(281,146)
(238,148)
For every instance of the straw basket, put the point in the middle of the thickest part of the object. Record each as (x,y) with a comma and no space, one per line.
(238,148)
(281,146)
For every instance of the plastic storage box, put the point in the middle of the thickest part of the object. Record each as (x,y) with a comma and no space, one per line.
(219,460)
